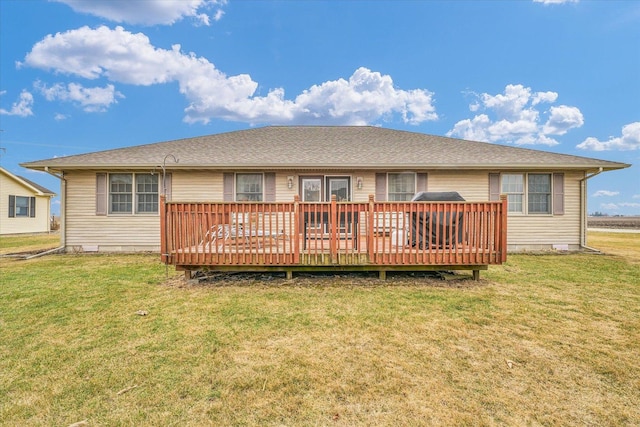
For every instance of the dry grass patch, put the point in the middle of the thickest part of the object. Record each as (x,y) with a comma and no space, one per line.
(29,243)
(542,340)
(626,245)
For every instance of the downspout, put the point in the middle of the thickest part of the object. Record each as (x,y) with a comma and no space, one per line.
(583,208)
(63,207)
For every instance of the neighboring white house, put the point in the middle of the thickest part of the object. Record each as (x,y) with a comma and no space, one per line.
(25,207)
(110,199)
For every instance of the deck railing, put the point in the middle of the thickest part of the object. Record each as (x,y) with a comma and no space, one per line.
(333,233)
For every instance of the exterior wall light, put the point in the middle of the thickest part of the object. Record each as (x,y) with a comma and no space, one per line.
(290,182)
(359,182)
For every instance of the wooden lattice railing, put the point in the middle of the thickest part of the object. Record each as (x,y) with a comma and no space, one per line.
(333,233)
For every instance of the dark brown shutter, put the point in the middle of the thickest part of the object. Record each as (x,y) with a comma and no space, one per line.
(558,194)
(227,187)
(32,207)
(270,187)
(101,194)
(494,186)
(421,182)
(12,206)
(381,187)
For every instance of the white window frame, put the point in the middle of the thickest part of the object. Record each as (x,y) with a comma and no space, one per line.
(27,208)
(549,195)
(410,195)
(237,191)
(134,195)
(526,194)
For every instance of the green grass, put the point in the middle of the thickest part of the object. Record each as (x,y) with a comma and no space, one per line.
(541,340)
(29,243)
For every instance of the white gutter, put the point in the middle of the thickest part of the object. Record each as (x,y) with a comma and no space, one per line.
(583,208)
(63,205)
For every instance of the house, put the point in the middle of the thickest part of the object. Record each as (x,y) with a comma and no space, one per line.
(25,207)
(111,199)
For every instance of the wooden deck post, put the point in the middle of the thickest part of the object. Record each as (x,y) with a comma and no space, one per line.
(503,231)
(333,238)
(296,229)
(370,228)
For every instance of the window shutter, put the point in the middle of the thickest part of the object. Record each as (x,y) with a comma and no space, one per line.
(12,206)
(227,187)
(558,194)
(381,187)
(167,187)
(270,187)
(421,182)
(32,207)
(101,194)
(494,186)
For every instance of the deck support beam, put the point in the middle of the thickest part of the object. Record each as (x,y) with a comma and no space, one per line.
(476,274)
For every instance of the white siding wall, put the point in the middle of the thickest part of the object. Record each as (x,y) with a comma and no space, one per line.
(38,224)
(473,186)
(525,232)
(86,231)
(541,232)
(196,186)
(89,232)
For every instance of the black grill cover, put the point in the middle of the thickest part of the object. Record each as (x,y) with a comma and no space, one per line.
(444,196)
(444,229)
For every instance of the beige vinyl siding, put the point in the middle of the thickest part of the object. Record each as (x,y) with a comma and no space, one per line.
(473,186)
(196,186)
(525,232)
(88,232)
(19,225)
(542,232)
(283,193)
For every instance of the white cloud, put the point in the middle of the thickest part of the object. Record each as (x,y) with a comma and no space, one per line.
(630,140)
(609,206)
(22,107)
(60,116)
(148,12)
(514,116)
(95,99)
(636,196)
(561,119)
(617,206)
(124,57)
(607,193)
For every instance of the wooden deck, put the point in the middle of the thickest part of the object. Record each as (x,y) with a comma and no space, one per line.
(297,236)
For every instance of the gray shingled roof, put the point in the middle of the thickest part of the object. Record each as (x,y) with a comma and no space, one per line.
(37,186)
(324,147)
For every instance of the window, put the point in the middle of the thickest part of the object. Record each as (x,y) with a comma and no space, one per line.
(539,193)
(121,195)
(146,193)
(22,207)
(402,186)
(536,195)
(513,187)
(249,187)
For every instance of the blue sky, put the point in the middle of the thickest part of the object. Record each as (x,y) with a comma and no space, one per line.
(558,75)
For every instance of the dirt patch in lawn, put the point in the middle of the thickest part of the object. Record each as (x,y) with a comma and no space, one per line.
(441,279)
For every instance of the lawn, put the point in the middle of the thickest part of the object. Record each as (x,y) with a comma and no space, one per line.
(29,243)
(541,340)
